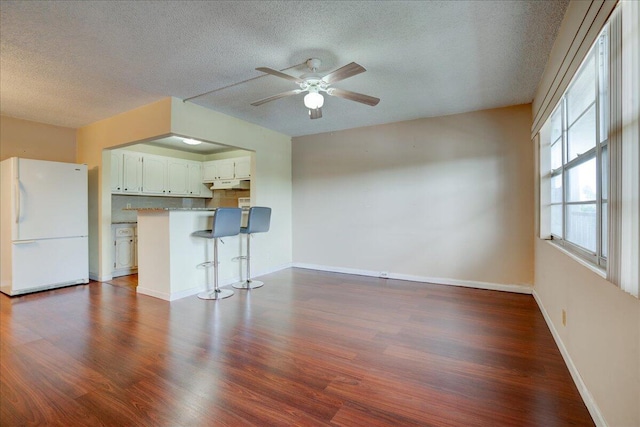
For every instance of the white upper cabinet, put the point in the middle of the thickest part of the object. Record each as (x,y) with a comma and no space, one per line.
(235,168)
(116,171)
(178,177)
(154,170)
(226,169)
(210,171)
(243,167)
(131,172)
(196,187)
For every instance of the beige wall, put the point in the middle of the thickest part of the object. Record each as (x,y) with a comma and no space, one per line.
(601,332)
(601,339)
(448,198)
(33,140)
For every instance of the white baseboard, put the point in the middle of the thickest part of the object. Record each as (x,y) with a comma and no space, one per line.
(597,416)
(520,289)
(272,269)
(98,278)
(194,291)
(153,293)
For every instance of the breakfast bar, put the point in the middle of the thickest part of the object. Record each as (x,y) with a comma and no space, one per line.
(168,254)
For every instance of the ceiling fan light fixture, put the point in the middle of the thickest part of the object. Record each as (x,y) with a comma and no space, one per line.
(313,100)
(190,141)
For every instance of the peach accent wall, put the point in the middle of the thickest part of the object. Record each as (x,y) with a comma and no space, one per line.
(446,197)
(33,140)
(138,125)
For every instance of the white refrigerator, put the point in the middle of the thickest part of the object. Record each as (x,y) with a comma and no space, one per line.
(43,225)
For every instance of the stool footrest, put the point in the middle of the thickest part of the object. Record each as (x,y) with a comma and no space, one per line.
(207,264)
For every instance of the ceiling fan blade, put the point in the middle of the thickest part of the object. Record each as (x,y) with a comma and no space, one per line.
(279,74)
(315,113)
(278,96)
(353,96)
(342,73)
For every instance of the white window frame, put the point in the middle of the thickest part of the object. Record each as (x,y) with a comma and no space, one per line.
(598,257)
(623,147)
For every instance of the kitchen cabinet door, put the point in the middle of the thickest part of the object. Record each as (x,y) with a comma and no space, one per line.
(116,171)
(131,172)
(196,187)
(124,253)
(243,168)
(125,257)
(226,169)
(209,171)
(177,177)
(153,174)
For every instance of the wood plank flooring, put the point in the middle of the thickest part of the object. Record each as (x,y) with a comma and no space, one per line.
(309,348)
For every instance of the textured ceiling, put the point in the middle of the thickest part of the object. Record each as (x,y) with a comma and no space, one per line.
(73,63)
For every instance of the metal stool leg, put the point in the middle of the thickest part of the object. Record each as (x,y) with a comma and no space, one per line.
(216,293)
(248,283)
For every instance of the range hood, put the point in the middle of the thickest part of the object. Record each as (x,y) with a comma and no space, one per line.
(231,184)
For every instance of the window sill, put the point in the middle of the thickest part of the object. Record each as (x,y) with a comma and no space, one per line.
(598,270)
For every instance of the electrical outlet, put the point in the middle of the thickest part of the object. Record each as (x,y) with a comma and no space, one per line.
(564,318)
(384,275)
(128,205)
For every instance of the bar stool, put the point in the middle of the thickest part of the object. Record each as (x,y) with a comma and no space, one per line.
(258,222)
(226,222)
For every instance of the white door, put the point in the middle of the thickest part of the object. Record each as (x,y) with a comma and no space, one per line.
(131,172)
(210,171)
(195,179)
(178,177)
(43,263)
(226,169)
(53,200)
(124,253)
(153,173)
(116,171)
(243,167)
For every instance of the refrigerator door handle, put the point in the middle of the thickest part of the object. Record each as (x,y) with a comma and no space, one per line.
(17,207)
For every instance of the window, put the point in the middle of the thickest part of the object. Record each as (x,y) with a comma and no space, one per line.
(576,135)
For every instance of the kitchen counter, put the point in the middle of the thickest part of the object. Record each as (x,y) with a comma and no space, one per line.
(168,253)
(169,209)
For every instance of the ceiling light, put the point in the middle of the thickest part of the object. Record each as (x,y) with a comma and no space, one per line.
(313,100)
(191,141)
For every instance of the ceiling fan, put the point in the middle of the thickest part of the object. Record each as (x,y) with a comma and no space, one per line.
(314,84)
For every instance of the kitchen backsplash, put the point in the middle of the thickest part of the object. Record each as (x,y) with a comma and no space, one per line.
(119,202)
(228,198)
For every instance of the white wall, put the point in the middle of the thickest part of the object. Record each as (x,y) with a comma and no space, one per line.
(446,197)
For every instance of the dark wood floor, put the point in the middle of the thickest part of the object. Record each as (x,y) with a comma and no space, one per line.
(309,348)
